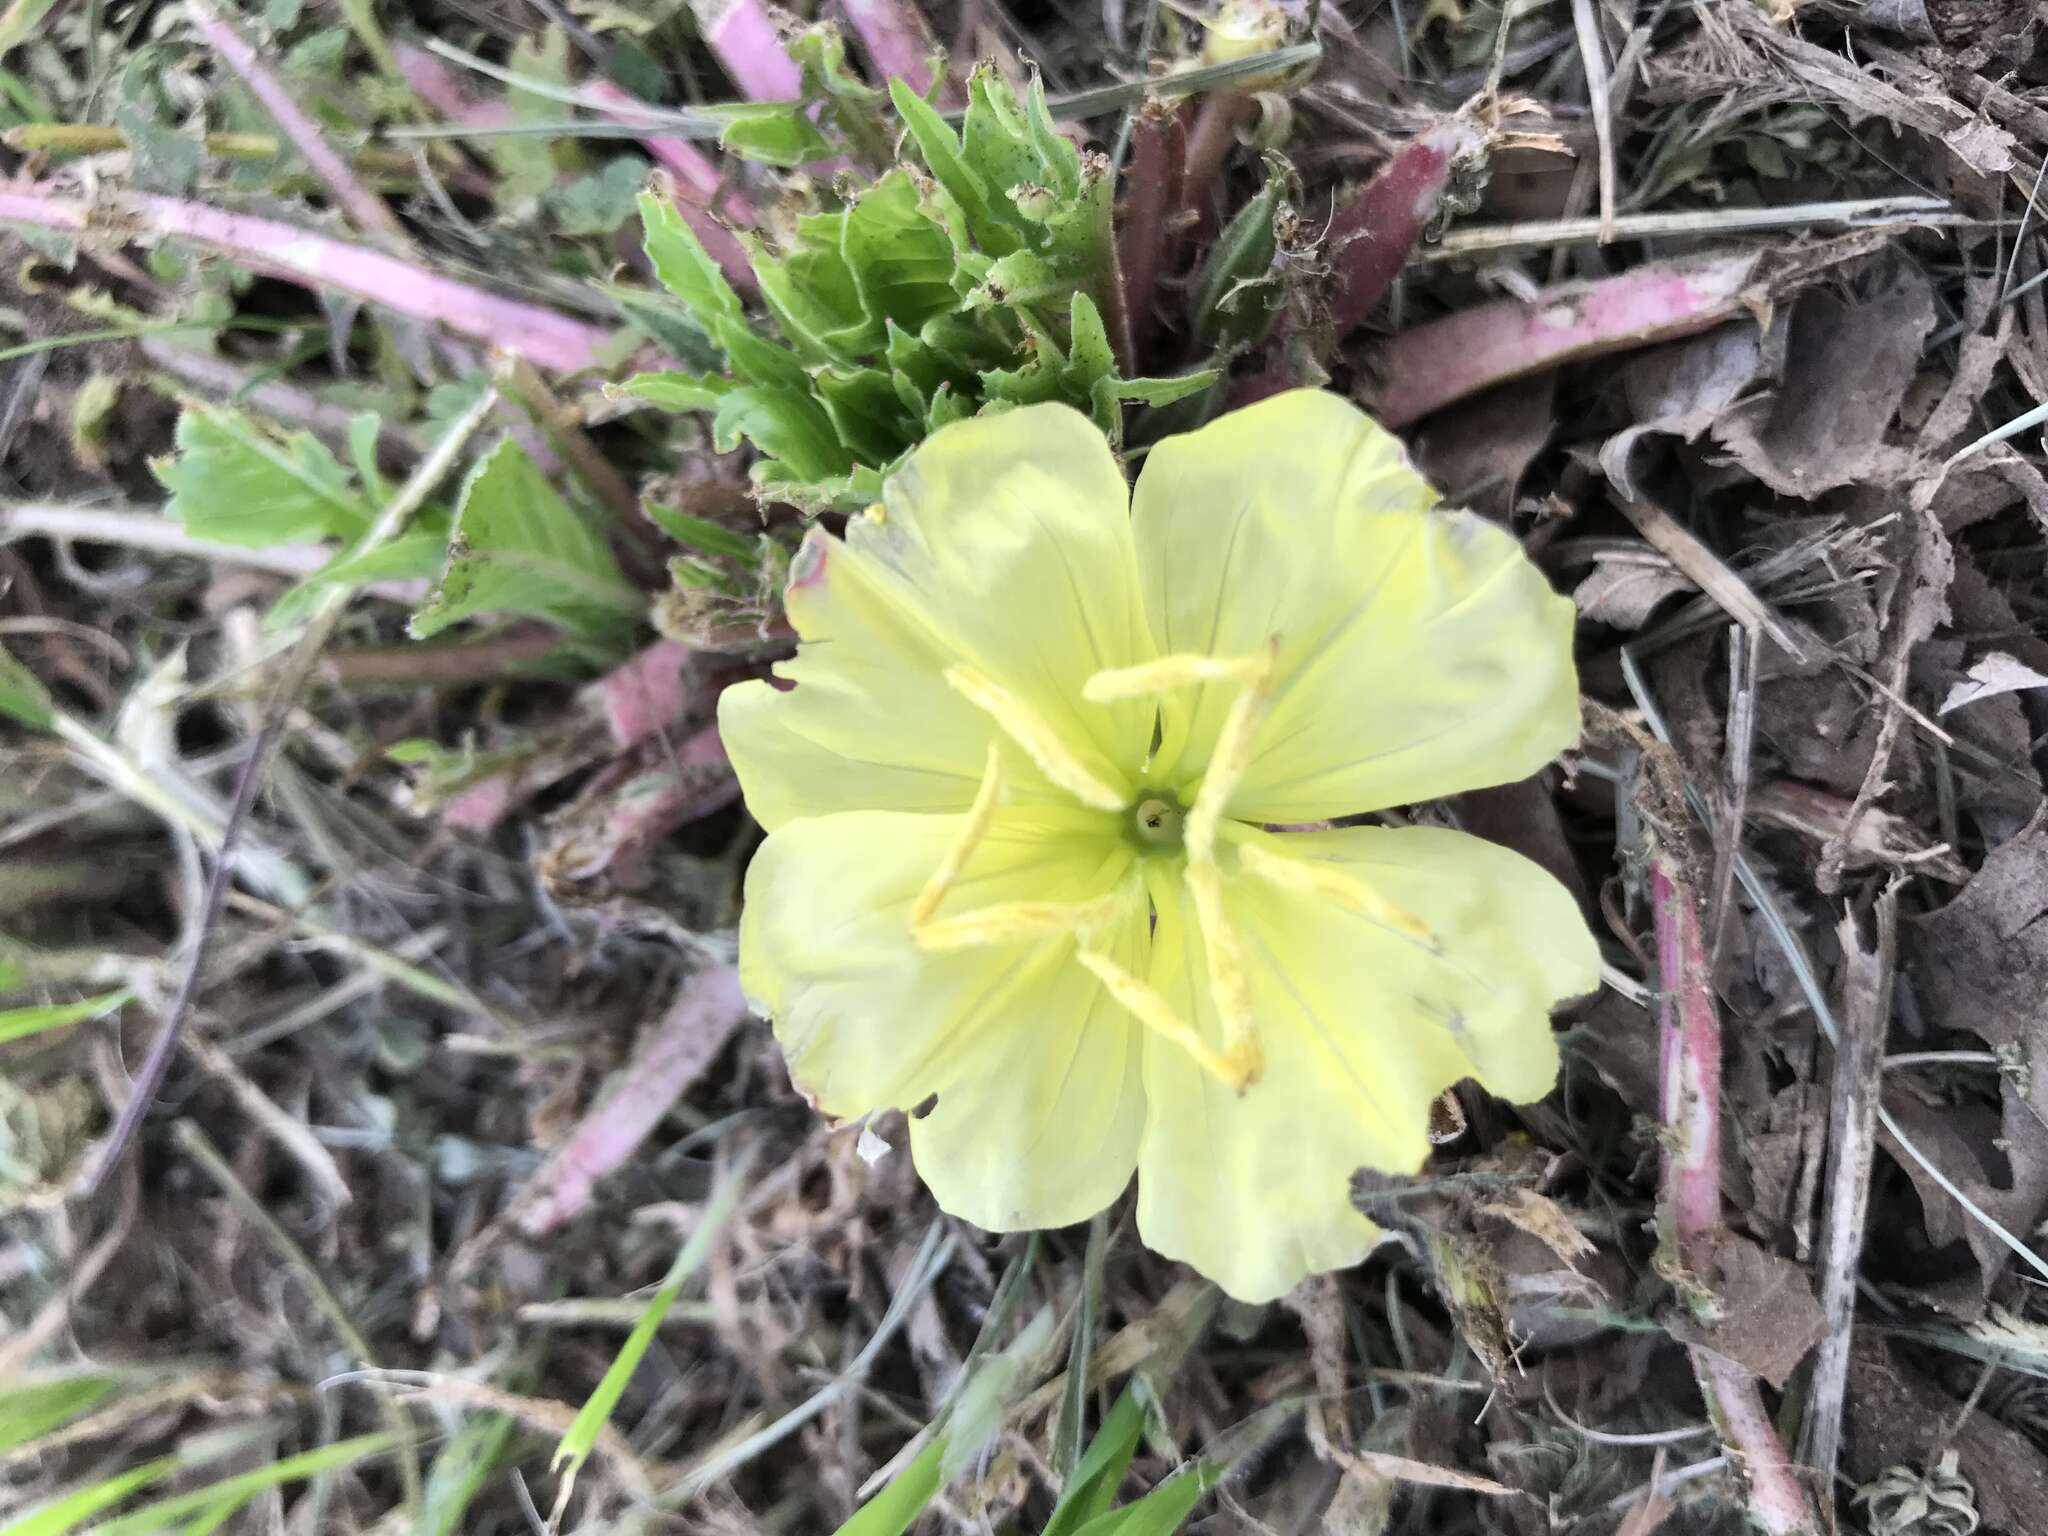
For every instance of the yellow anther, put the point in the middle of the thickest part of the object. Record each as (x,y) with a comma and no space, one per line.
(1154,1012)
(1326,883)
(877,514)
(965,841)
(1232,756)
(1016,922)
(1023,725)
(1151,678)
(1229,978)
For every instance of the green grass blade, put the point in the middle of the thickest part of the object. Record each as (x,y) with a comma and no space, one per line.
(1092,1488)
(576,1445)
(469,1457)
(70,1512)
(890,1512)
(1161,1511)
(19,1023)
(31,1411)
(245,1486)
(1073,1409)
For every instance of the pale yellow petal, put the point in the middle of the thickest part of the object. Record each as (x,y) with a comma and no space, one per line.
(1360,1025)
(1039,1095)
(1419,652)
(1003,545)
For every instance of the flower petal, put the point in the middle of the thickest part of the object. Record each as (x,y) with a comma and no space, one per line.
(1003,544)
(1360,1027)
(1420,653)
(1040,1100)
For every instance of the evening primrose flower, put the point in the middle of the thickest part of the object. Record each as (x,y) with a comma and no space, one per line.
(1029,803)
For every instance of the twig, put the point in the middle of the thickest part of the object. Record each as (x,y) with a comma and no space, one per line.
(275,399)
(151,531)
(1706,570)
(298,667)
(195,1145)
(1689,1097)
(1432,365)
(1482,239)
(1852,1138)
(304,256)
(367,211)
(1593,57)
(522,382)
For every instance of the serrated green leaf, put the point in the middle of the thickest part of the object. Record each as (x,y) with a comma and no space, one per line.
(774,133)
(518,547)
(234,482)
(20,1023)
(987,224)
(598,204)
(866,413)
(786,424)
(414,555)
(684,266)
(757,360)
(677,391)
(1020,279)
(812,294)
(22,694)
(948,406)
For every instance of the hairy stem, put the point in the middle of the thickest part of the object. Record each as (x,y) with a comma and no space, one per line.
(1371,236)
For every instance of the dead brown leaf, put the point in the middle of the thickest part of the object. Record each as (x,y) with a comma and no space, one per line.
(1768,1317)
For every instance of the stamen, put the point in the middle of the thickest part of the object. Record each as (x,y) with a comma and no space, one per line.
(1232,756)
(965,841)
(1229,978)
(1168,673)
(1325,883)
(1023,725)
(1157,1015)
(1013,922)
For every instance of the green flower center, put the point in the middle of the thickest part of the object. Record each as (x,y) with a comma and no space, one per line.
(1155,822)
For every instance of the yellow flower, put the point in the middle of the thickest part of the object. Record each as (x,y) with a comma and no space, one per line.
(1027,801)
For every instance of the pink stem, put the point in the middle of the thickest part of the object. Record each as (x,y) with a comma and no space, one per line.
(898,40)
(444,90)
(742,36)
(1689,1065)
(646,694)
(1475,349)
(1372,235)
(670,1057)
(1689,1100)
(367,211)
(286,251)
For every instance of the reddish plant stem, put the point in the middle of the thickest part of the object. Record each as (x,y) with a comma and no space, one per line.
(367,211)
(899,42)
(1371,236)
(1689,1099)
(1209,138)
(1152,188)
(544,337)
(1446,360)
(742,36)
(698,180)
(679,1046)
(443,90)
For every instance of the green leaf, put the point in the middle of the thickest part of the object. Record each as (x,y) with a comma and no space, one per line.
(70,1511)
(700,534)
(1073,1406)
(867,413)
(576,1444)
(517,547)
(22,695)
(1092,1488)
(19,1023)
(901,261)
(459,1472)
(1237,294)
(599,204)
(774,133)
(906,1496)
(246,1485)
(943,154)
(1163,1510)
(786,424)
(684,266)
(813,295)
(234,482)
(414,555)
(34,1409)
(676,391)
